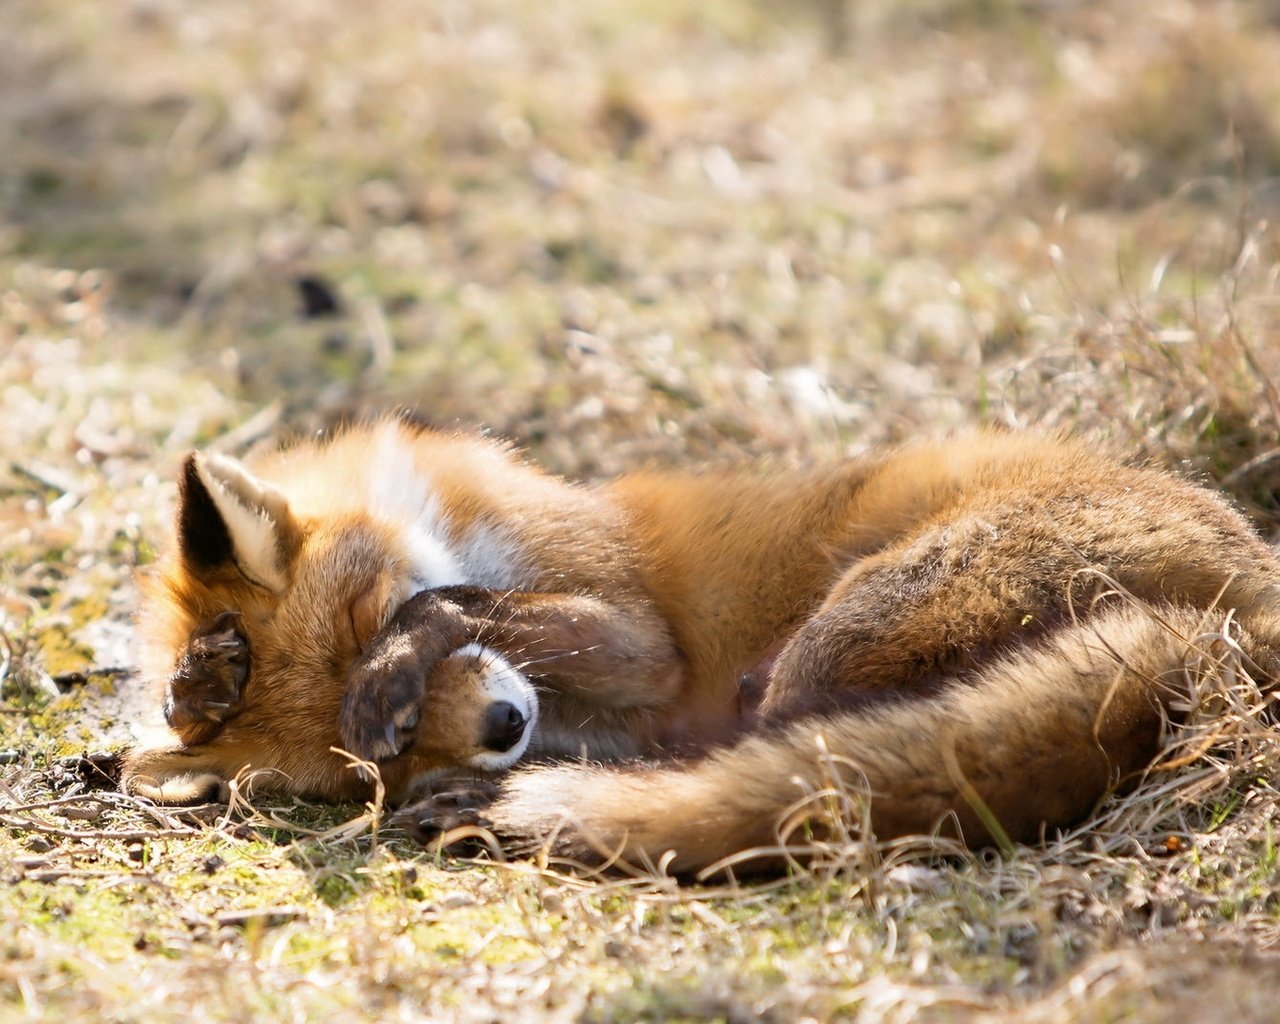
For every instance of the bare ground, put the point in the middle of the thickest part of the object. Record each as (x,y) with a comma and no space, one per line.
(620,233)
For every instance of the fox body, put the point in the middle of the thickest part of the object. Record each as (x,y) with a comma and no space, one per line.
(988,632)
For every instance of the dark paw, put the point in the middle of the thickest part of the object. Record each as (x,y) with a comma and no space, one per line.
(441,813)
(382,706)
(386,685)
(206,688)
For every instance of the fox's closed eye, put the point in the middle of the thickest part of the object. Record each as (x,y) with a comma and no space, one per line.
(366,614)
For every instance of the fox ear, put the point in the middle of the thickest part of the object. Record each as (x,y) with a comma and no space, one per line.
(228,516)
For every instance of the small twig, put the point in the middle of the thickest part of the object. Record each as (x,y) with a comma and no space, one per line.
(47,477)
(382,346)
(57,874)
(253,429)
(42,805)
(119,799)
(1252,466)
(269,916)
(122,835)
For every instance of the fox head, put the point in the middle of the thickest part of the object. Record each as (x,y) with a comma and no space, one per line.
(252,623)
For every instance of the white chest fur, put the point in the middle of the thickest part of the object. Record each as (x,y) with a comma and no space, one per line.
(440,553)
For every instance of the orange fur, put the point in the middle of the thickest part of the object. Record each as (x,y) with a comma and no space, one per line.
(959,622)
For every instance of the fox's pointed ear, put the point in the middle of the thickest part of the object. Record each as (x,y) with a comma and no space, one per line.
(227,516)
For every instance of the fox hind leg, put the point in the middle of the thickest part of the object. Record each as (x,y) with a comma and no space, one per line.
(451,804)
(912,618)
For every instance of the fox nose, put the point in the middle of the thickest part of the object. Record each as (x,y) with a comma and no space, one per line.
(504,724)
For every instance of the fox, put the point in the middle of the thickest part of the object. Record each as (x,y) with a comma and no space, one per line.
(979,636)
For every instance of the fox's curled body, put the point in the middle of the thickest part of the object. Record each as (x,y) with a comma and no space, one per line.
(988,633)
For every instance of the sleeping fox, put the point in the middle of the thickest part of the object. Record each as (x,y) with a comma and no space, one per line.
(982,635)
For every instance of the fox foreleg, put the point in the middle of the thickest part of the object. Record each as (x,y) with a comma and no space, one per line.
(207,683)
(576,644)
(593,649)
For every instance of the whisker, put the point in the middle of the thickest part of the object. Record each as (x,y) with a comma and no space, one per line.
(556,656)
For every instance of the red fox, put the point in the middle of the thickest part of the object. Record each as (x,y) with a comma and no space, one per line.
(983,635)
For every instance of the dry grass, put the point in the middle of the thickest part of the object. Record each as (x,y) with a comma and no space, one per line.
(620,233)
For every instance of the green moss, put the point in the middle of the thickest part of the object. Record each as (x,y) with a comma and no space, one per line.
(62,656)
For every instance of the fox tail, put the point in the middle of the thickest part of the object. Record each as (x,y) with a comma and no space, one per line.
(1031,741)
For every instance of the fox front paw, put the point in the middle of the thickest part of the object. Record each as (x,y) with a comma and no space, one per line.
(386,686)
(207,686)
(464,804)
(381,709)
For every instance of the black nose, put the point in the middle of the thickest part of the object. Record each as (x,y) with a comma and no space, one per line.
(503,726)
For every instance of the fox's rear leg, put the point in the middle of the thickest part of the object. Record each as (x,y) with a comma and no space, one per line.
(920,614)
(207,685)
(450,804)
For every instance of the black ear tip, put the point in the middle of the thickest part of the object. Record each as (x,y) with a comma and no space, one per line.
(190,478)
(202,534)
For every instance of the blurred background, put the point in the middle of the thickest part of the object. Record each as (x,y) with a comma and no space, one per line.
(626,231)
(621,233)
